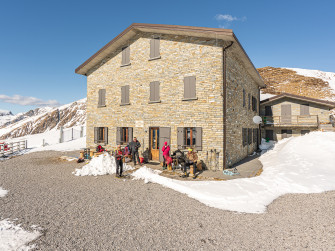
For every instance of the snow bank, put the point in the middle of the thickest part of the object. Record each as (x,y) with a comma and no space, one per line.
(102,165)
(73,145)
(13,237)
(3,192)
(266,145)
(303,164)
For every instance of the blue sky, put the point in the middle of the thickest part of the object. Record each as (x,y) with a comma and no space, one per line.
(42,42)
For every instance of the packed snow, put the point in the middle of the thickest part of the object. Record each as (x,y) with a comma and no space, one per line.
(264,96)
(102,165)
(302,164)
(13,237)
(266,145)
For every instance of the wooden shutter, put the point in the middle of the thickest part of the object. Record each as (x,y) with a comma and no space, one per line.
(180,137)
(154,91)
(190,87)
(249,101)
(96,134)
(193,87)
(198,139)
(99,97)
(156,42)
(304,109)
(125,55)
(164,136)
(118,135)
(123,94)
(186,88)
(152,48)
(106,135)
(243,98)
(127,94)
(157,87)
(130,134)
(102,97)
(249,136)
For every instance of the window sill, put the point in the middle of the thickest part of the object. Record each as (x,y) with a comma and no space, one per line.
(151,59)
(153,102)
(189,99)
(124,104)
(101,106)
(123,65)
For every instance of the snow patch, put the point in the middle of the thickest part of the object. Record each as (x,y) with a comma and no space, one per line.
(302,164)
(264,96)
(102,165)
(3,192)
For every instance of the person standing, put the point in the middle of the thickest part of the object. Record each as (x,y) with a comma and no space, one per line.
(191,159)
(118,159)
(166,154)
(134,146)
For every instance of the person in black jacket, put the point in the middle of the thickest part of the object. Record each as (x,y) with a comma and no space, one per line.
(134,146)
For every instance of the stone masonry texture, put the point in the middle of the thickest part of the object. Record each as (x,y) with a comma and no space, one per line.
(181,56)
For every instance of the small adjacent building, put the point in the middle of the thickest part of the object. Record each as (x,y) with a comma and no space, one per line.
(190,86)
(287,115)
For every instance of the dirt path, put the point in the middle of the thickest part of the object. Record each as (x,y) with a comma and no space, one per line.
(104,213)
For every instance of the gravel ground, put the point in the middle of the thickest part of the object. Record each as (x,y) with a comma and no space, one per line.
(105,213)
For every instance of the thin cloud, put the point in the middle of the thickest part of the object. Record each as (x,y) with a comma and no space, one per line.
(21,100)
(228,19)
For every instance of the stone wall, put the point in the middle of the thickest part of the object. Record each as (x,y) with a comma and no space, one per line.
(239,116)
(181,56)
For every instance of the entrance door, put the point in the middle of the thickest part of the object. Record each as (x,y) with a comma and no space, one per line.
(164,136)
(286,114)
(154,143)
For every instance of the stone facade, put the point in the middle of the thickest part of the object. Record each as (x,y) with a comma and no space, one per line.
(180,56)
(319,114)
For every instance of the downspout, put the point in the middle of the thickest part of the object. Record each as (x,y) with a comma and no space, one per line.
(224,95)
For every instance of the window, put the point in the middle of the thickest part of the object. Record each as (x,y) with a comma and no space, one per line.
(304,109)
(100,135)
(125,56)
(249,105)
(286,134)
(189,137)
(244,136)
(268,111)
(254,104)
(189,88)
(303,132)
(102,98)
(249,136)
(125,95)
(124,135)
(243,98)
(154,91)
(269,134)
(154,48)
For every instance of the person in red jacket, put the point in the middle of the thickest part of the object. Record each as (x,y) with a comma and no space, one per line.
(118,159)
(166,154)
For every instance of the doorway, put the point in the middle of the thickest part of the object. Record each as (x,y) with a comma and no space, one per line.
(154,143)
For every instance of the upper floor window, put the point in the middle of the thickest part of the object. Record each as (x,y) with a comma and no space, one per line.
(304,109)
(249,101)
(243,98)
(102,97)
(125,95)
(254,104)
(154,48)
(154,91)
(190,88)
(125,56)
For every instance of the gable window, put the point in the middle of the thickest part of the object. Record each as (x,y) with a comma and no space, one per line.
(102,98)
(254,104)
(190,88)
(125,95)
(304,109)
(249,105)
(124,135)
(243,98)
(189,137)
(101,135)
(125,56)
(154,48)
(154,92)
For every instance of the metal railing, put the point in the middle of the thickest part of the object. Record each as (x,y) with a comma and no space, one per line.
(12,147)
(293,120)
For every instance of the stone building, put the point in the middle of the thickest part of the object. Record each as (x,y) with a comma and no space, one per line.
(190,86)
(289,115)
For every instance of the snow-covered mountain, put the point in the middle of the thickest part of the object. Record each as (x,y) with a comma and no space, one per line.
(44,119)
(309,83)
(5,116)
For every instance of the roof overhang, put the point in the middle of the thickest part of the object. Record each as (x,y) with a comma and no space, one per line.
(132,30)
(302,98)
